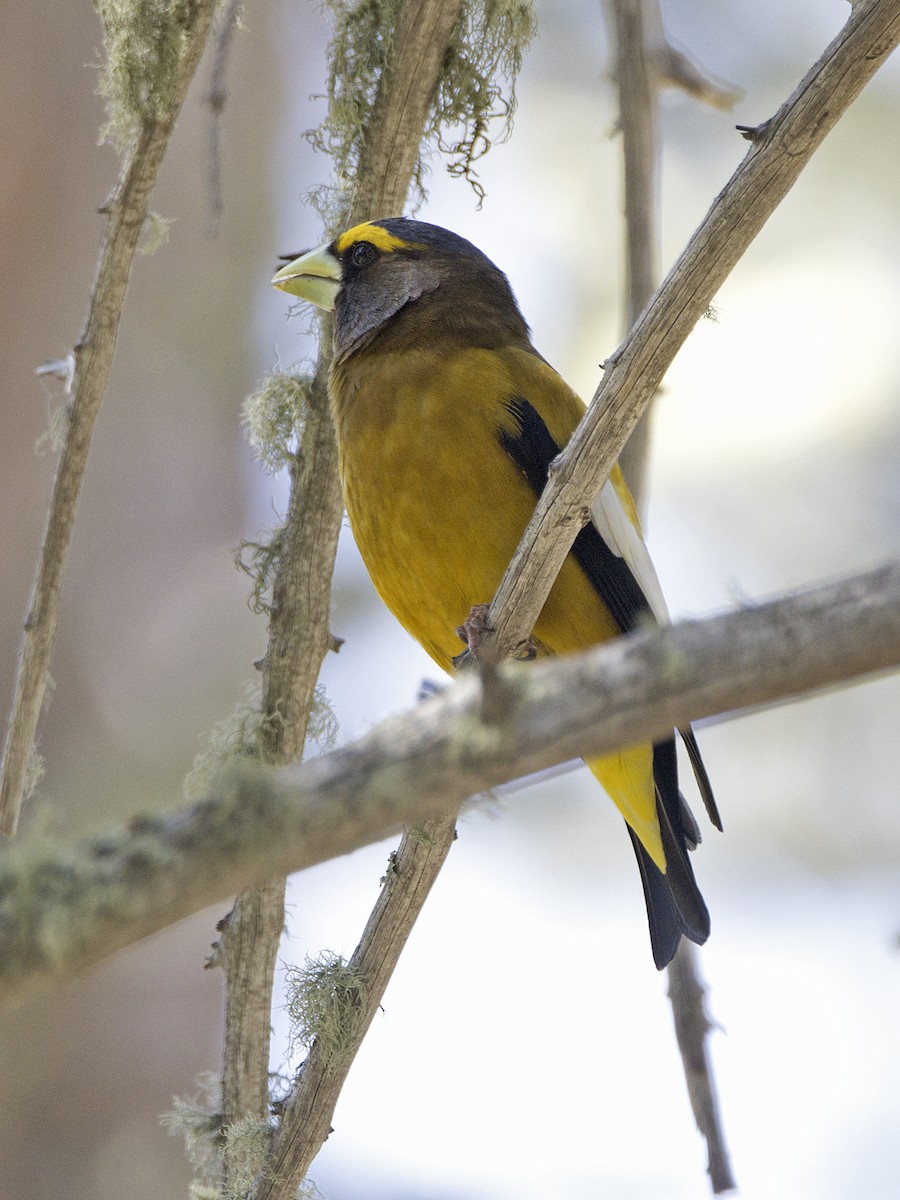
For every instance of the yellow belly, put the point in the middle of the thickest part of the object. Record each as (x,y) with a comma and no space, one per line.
(437,509)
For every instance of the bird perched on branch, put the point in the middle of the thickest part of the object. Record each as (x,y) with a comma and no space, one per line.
(447,421)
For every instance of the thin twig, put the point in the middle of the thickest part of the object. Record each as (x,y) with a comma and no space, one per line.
(640,46)
(645,62)
(126,211)
(674,68)
(638,122)
(63,910)
(215,98)
(780,150)
(687,994)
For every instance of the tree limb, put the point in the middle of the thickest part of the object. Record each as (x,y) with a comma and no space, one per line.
(638,92)
(61,911)
(781,148)
(687,995)
(93,354)
(299,635)
(306,1121)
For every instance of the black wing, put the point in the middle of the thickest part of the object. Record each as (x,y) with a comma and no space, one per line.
(674,903)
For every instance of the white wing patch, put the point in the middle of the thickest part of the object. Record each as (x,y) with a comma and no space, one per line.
(621,535)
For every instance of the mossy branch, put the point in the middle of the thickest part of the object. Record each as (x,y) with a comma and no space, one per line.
(63,910)
(153,48)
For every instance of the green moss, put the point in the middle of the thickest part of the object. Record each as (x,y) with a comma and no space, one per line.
(54,436)
(476,87)
(274,416)
(324,1002)
(144,41)
(155,233)
(323,724)
(260,561)
(247,1146)
(486,52)
(239,736)
(198,1119)
(357,54)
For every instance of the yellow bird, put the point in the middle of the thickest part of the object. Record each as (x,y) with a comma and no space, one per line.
(447,421)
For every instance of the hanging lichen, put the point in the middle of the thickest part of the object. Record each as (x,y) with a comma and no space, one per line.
(144,41)
(477,85)
(325,998)
(240,735)
(274,416)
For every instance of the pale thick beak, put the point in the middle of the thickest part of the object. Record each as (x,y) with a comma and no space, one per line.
(314,276)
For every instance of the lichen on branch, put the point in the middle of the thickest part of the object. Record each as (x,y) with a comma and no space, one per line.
(476,85)
(145,42)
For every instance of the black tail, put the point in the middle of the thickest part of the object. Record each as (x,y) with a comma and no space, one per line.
(674,904)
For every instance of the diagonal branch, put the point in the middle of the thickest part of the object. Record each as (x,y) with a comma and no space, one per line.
(781,149)
(126,211)
(63,910)
(306,1121)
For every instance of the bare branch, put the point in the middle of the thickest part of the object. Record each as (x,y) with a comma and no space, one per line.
(94,350)
(638,122)
(61,911)
(687,995)
(784,146)
(215,98)
(674,68)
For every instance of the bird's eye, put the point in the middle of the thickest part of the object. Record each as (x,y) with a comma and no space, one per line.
(362,254)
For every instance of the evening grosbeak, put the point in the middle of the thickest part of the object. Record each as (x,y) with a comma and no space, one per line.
(447,421)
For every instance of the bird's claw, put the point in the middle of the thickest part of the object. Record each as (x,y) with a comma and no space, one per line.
(474,627)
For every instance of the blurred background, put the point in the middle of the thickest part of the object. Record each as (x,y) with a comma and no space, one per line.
(525,1048)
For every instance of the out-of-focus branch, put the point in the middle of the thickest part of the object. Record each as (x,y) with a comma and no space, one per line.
(687,995)
(780,150)
(126,211)
(675,68)
(61,911)
(215,98)
(638,123)
(299,635)
(644,62)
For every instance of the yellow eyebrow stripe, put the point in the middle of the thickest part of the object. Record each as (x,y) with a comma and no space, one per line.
(369,232)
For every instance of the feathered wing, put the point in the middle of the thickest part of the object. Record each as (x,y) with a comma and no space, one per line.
(643,781)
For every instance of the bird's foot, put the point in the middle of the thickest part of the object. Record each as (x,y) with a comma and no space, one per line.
(472,632)
(474,627)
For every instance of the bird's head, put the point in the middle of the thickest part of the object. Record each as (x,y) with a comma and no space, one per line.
(405,281)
